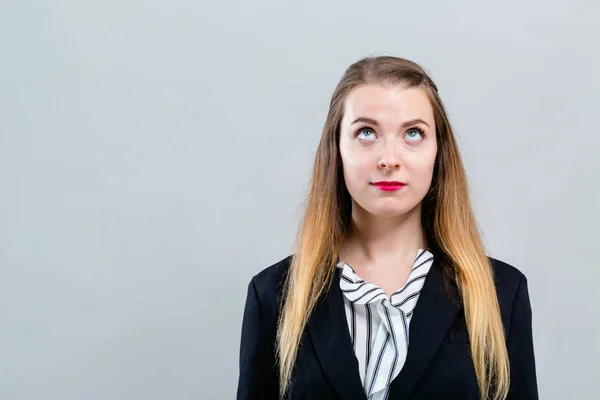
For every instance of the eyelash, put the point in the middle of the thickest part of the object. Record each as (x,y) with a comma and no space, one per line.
(357,132)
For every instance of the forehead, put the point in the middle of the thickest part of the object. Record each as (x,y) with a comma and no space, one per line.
(388,103)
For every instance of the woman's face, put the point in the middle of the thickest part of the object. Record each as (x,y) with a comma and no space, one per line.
(387,134)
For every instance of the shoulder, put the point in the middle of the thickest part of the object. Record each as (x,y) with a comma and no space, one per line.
(272,277)
(268,284)
(510,281)
(506,276)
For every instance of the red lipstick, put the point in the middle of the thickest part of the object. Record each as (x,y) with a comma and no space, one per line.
(389,186)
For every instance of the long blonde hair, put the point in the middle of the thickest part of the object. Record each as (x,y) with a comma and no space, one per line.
(447,220)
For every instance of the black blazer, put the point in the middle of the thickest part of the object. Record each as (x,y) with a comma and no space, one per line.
(438,364)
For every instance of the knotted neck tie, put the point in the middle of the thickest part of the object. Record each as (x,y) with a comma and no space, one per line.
(386,352)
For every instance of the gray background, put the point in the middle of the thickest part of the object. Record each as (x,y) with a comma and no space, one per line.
(154,156)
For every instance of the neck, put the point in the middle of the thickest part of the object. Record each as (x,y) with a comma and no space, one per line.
(378,240)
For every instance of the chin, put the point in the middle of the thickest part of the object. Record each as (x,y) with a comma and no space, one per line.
(385,208)
(389,211)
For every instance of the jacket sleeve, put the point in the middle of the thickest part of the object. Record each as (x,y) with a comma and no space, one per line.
(258,378)
(523,381)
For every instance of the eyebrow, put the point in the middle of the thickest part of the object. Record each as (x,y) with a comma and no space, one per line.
(404,125)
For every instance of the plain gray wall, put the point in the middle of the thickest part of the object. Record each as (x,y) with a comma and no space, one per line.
(154,156)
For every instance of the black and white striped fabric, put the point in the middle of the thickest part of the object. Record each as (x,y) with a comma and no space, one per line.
(379,325)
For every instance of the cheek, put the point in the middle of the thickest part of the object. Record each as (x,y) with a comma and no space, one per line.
(418,170)
(424,173)
(354,167)
(356,171)
(425,166)
(359,165)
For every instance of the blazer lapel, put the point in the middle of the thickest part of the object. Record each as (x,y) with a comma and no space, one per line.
(329,333)
(432,318)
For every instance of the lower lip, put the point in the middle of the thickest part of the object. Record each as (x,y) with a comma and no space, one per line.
(389,188)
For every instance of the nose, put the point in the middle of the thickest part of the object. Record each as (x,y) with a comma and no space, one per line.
(389,159)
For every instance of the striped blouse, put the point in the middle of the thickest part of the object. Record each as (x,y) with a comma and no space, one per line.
(379,325)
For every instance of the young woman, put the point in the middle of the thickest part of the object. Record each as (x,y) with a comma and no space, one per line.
(389,293)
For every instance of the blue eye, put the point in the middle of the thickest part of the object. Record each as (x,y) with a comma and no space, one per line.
(367,130)
(414,130)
